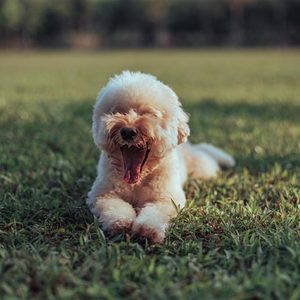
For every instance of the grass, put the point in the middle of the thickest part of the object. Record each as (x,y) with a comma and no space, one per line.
(239,236)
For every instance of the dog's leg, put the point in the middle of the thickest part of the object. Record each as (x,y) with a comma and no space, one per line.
(204,160)
(223,159)
(153,221)
(115,215)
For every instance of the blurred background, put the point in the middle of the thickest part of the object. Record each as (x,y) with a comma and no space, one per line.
(92,24)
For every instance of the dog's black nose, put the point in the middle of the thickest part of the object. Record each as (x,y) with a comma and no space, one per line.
(128,134)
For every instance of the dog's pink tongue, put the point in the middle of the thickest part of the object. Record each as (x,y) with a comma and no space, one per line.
(133,158)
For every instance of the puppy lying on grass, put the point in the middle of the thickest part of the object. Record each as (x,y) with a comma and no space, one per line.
(142,131)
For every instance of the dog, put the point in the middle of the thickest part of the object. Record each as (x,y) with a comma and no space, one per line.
(141,129)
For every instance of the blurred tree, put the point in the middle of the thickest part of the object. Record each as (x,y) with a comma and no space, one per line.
(150,22)
(30,20)
(13,14)
(115,17)
(292,20)
(55,21)
(154,24)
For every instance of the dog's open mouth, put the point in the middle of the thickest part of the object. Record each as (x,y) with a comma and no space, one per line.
(134,158)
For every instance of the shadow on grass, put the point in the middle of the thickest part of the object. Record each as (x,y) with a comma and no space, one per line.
(264,163)
(211,113)
(263,111)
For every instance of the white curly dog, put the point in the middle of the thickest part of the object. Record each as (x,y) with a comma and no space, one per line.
(141,130)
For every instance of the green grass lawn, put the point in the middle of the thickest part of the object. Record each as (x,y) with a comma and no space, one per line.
(239,236)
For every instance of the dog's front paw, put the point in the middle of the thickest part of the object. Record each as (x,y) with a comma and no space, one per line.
(118,226)
(115,215)
(154,233)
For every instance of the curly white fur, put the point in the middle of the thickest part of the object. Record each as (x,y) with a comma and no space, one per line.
(139,180)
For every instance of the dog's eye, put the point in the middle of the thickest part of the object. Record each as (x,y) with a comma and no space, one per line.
(152,112)
(155,114)
(118,109)
(113,111)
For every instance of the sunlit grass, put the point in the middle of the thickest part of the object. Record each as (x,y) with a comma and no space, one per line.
(239,237)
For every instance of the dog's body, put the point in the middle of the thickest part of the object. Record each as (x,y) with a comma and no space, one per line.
(140,127)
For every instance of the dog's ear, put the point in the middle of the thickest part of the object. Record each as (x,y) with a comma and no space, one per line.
(97,127)
(183,129)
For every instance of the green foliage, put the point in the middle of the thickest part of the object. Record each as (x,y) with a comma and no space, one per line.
(35,18)
(238,237)
(150,22)
(14,13)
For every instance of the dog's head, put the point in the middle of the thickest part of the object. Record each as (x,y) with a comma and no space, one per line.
(137,120)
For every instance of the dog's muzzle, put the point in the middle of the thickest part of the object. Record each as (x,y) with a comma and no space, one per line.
(128,134)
